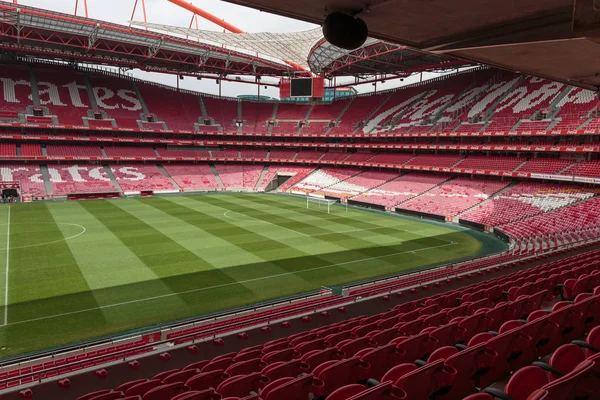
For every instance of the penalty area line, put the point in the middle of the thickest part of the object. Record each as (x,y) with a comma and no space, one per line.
(223,285)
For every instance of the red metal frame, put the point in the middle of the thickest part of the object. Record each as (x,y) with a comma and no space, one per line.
(52,43)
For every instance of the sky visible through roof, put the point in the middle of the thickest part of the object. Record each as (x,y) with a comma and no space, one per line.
(164,12)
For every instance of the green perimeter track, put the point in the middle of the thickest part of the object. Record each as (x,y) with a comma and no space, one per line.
(83,270)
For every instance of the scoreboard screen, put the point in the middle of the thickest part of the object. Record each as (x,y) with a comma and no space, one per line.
(301,87)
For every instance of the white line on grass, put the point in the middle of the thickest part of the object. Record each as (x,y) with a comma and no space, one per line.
(221,286)
(7,268)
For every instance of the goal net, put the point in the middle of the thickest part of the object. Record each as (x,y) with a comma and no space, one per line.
(320,203)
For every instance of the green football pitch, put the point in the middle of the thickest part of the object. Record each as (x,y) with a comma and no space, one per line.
(75,271)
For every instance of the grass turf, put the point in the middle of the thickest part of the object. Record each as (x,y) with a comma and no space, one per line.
(82,270)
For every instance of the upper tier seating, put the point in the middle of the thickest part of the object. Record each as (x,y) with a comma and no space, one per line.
(594,124)
(329,112)
(359,183)
(287,128)
(79,151)
(323,178)
(359,110)
(455,196)
(79,178)
(16,88)
(130,151)
(292,111)
(178,109)
(140,177)
(491,163)
(63,91)
(401,189)
(524,200)
(574,108)
(118,98)
(545,165)
(237,176)
(438,347)
(223,111)
(29,177)
(256,114)
(581,216)
(532,94)
(315,127)
(533,125)
(192,176)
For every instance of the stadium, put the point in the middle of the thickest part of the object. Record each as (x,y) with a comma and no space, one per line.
(434,239)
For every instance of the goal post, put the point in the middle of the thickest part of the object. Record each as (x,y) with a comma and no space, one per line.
(320,203)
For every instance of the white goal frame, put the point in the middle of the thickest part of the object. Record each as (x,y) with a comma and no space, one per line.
(322,203)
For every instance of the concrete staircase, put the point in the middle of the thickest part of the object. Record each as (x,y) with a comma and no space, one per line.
(491,197)
(46,178)
(166,174)
(110,174)
(217,177)
(262,176)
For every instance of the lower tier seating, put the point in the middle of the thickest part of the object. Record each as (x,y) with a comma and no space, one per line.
(237,176)
(192,176)
(141,177)
(401,189)
(291,174)
(324,178)
(459,343)
(525,200)
(78,179)
(28,176)
(454,197)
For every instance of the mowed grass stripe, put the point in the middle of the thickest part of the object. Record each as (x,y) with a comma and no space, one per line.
(280,256)
(336,227)
(355,219)
(217,250)
(289,268)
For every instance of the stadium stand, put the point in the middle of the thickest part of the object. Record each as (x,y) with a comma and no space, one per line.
(422,348)
(256,115)
(525,200)
(83,152)
(178,109)
(359,184)
(28,176)
(130,151)
(238,176)
(324,178)
(64,92)
(191,177)
(79,179)
(401,189)
(118,98)
(141,177)
(455,196)
(295,175)
(223,111)
(16,88)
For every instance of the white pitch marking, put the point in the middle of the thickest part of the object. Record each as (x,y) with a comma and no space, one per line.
(7,268)
(219,286)
(83,230)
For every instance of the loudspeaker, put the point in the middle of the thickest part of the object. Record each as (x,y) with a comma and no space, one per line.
(345,31)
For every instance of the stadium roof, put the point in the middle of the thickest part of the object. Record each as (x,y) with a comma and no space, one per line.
(310,50)
(557,39)
(29,31)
